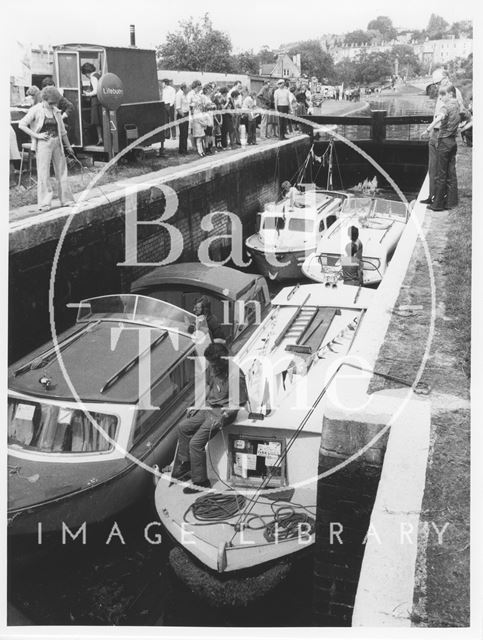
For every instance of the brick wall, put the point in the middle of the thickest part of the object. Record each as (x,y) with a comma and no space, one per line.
(94,244)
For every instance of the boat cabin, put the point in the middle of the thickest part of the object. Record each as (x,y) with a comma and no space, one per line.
(238,300)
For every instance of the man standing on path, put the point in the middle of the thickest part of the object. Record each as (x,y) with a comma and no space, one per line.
(447,123)
(281,99)
(263,101)
(168,96)
(440,76)
(182,111)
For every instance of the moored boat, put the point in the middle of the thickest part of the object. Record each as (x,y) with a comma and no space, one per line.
(379,223)
(87,420)
(289,230)
(263,466)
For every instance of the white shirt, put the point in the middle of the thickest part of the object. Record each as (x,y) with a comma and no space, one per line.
(169,95)
(281,97)
(182,102)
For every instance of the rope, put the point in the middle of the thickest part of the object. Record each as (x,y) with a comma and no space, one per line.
(215,507)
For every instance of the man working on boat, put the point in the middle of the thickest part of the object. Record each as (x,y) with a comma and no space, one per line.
(200,425)
(351,263)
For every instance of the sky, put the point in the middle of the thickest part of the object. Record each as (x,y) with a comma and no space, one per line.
(250,23)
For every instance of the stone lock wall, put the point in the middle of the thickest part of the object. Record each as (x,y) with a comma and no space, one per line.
(95,242)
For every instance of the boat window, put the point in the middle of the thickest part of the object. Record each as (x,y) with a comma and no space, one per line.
(163,394)
(134,308)
(321,226)
(273,223)
(301,224)
(49,428)
(330,220)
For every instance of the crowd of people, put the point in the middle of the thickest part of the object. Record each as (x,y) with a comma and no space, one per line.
(213,118)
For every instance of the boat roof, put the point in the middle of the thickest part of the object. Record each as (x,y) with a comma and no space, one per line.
(102,354)
(96,47)
(220,280)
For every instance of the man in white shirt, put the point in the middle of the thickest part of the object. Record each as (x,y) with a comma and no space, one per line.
(168,96)
(281,99)
(182,107)
(237,103)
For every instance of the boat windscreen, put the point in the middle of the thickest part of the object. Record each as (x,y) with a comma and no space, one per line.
(41,426)
(390,208)
(301,224)
(138,309)
(357,206)
(273,223)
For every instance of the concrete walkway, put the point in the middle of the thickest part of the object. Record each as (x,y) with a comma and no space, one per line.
(120,174)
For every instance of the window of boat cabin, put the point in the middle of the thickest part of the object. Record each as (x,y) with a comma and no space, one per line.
(184,297)
(301,224)
(273,223)
(49,428)
(166,396)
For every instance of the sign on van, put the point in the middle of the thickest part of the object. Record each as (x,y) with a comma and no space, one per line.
(110,91)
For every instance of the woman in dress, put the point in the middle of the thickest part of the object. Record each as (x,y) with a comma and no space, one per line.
(43,123)
(90,72)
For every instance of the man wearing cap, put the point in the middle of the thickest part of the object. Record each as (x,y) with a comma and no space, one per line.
(281,99)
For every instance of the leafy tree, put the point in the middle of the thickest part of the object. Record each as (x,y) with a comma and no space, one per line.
(346,71)
(436,26)
(246,62)
(266,55)
(373,67)
(462,28)
(357,37)
(196,46)
(384,25)
(314,60)
(408,60)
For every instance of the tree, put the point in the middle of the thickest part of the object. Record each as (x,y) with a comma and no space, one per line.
(436,26)
(246,62)
(408,61)
(462,28)
(196,46)
(373,67)
(357,37)
(384,25)
(345,71)
(314,60)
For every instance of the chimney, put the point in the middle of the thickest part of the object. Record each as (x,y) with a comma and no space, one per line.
(132,34)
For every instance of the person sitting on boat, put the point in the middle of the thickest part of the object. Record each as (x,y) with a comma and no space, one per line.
(202,311)
(200,425)
(351,263)
(289,192)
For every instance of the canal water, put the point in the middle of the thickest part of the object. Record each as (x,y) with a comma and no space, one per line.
(133,583)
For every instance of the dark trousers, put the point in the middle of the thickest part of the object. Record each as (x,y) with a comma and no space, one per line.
(282,121)
(252,131)
(183,134)
(446,184)
(432,162)
(227,131)
(193,434)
